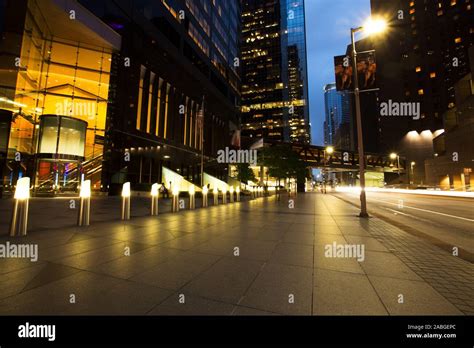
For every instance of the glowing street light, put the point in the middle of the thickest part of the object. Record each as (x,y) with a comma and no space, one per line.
(83,218)
(328,150)
(215,191)
(412,169)
(372,26)
(396,156)
(19,223)
(126,201)
(204,196)
(155,194)
(175,202)
(192,200)
(375,26)
(224,195)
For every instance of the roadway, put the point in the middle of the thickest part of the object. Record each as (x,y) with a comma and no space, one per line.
(449,220)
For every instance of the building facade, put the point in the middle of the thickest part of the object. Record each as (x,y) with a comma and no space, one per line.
(338,121)
(420,59)
(274,71)
(115,91)
(453,164)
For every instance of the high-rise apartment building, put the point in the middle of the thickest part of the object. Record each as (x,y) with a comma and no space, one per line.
(274,71)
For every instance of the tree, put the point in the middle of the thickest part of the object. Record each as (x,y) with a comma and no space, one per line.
(245,173)
(282,162)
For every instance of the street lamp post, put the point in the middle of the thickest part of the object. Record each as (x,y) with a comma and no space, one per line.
(397,156)
(371,27)
(330,151)
(412,179)
(360,141)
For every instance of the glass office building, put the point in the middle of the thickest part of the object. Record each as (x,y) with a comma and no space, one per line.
(338,121)
(274,71)
(113,91)
(55,74)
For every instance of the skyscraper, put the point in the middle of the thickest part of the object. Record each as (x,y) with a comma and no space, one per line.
(337,129)
(274,71)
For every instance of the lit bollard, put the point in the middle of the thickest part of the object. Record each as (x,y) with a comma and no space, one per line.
(175,203)
(237,192)
(216,195)
(155,194)
(126,201)
(231,192)
(192,200)
(83,217)
(204,196)
(19,222)
(224,195)
(252,192)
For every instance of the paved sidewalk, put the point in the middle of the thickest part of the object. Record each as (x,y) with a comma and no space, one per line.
(259,257)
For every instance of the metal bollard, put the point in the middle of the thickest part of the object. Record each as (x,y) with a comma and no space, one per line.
(231,192)
(19,223)
(192,200)
(126,201)
(83,217)
(155,194)
(204,196)
(216,195)
(224,195)
(175,203)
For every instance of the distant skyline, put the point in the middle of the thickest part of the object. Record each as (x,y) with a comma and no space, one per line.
(328,24)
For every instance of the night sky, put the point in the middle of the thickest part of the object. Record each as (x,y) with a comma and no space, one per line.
(328,24)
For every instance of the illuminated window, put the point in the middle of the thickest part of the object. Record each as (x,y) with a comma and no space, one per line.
(412,11)
(421,92)
(158,107)
(457,40)
(453,2)
(418,69)
(140,97)
(433,75)
(167,98)
(186,120)
(412,3)
(150,102)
